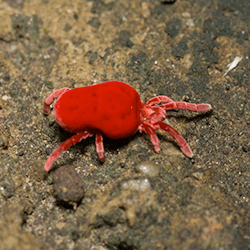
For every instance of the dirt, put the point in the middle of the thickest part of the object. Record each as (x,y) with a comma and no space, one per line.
(137,199)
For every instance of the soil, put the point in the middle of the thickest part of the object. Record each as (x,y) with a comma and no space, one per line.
(136,199)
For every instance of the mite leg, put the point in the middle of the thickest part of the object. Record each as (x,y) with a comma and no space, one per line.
(187,106)
(179,139)
(100,147)
(51,98)
(154,139)
(158,99)
(64,146)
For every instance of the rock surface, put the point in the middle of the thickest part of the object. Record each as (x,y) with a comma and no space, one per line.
(180,50)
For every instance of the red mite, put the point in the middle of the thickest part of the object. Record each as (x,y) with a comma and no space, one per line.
(113,109)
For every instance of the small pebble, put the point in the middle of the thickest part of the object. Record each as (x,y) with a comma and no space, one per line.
(68,185)
(198,175)
(185,98)
(150,169)
(137,185)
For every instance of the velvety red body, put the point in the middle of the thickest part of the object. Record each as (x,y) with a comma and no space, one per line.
(110,108)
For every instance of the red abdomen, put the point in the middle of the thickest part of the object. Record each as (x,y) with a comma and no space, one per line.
(111,108)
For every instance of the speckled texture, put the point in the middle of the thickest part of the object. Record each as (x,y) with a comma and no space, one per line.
(68,186)
(180,50)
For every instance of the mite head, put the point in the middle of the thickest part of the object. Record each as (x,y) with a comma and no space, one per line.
(152,114)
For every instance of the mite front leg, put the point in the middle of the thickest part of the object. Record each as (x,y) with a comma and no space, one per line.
(49,100)
(64,146)
(158,99)
(187,106)
(100,147)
